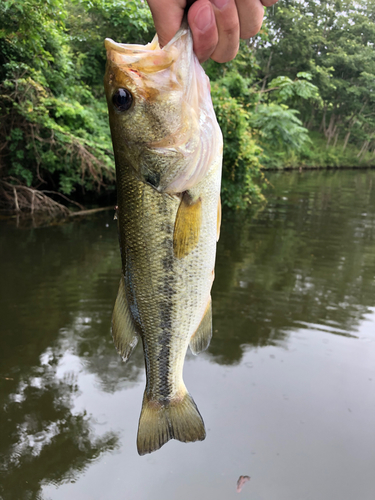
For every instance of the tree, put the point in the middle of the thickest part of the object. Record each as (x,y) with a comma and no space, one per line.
(333,41)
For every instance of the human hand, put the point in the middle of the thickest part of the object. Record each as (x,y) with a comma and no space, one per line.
(216,25)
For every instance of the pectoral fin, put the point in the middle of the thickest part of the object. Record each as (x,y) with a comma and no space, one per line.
(218,219)
(123,329)
(202,337)
(187,226)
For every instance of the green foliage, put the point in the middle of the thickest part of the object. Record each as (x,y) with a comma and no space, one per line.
(241,163)
(89,22)
(51,141)
(333,42)
(310,71)
(257,127)
(315,154)
(279,127)
(287,90)
(54,127)
(53,131)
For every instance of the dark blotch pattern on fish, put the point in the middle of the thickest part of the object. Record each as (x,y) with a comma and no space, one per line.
(165,340)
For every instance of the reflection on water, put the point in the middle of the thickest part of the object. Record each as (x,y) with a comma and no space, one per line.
(49,301)
(307,258)
(290,372)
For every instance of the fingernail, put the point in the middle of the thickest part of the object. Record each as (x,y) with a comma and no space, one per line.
(204,18)
(220,4)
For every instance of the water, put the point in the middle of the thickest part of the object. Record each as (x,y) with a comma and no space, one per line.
(286,389)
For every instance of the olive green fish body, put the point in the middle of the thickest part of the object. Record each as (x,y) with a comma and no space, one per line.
(168,224)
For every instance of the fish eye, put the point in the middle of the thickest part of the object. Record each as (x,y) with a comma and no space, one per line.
(122,99)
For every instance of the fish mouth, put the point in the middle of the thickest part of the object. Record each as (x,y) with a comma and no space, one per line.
(129,55)
(126,48)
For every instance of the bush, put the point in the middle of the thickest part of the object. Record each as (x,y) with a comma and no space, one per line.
(241,160)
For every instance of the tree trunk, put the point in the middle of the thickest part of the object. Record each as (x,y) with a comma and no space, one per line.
(333,129)
(364,147)
(323,124)
(329,132)
(346,140)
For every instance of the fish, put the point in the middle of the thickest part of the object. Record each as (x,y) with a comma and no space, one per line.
(168,155)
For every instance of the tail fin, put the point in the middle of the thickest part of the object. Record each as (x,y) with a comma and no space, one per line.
(177,420)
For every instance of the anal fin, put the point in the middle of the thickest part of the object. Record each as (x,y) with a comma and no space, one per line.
(187,226)
(124,333)
(202,337)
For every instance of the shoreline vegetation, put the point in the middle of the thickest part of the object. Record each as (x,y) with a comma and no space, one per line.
(299,95)
(321,156)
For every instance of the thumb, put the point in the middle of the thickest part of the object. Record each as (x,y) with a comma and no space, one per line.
(167,15)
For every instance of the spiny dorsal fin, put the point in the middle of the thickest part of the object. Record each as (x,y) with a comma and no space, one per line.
(202,337)
(187,226)
(123,329)
(178,419)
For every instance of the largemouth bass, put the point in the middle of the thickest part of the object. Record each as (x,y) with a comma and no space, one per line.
(168,154)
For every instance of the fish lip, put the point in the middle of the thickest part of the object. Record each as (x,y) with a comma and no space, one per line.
(125,48)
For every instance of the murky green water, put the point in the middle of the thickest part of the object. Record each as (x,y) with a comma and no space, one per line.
(286,389)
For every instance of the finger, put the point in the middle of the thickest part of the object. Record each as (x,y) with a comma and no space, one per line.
(167,17)
(250,13)
(228,28)
(202,23)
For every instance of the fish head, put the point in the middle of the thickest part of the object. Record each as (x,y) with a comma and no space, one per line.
(162,121)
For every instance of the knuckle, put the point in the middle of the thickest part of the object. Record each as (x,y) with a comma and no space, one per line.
(230,31)
(225,55)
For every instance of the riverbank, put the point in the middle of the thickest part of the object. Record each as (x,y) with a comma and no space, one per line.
(316,155)
(40,209)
